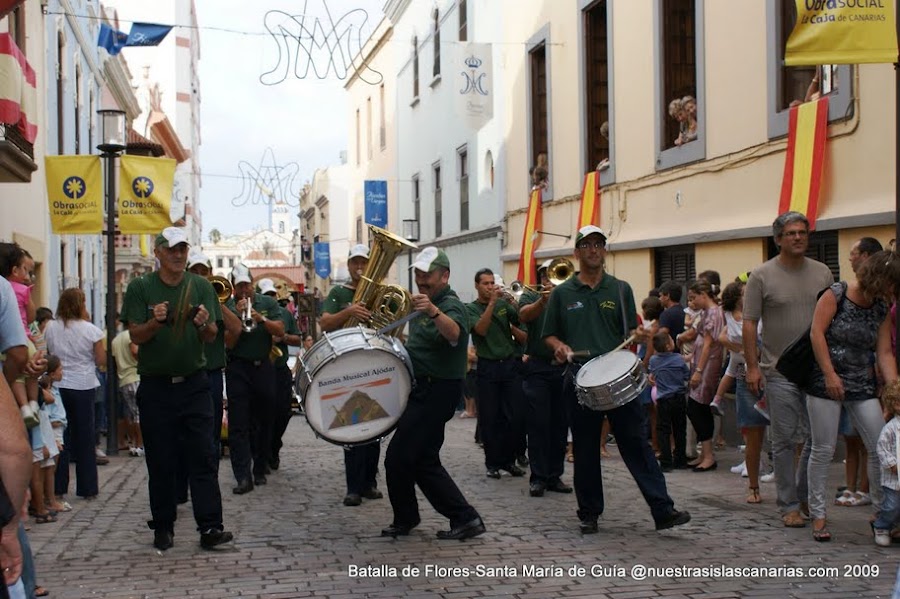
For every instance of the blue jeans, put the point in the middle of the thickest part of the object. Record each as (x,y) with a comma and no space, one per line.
(889,516)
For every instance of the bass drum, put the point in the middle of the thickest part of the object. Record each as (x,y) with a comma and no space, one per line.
(354,385)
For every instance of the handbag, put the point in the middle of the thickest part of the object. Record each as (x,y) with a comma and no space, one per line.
(798,362)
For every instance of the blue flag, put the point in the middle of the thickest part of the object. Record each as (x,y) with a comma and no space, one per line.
(375,193)
(147,34)
(322,257)
(111,39)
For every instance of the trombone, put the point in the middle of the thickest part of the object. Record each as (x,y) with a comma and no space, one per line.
(222,286)
(560,270)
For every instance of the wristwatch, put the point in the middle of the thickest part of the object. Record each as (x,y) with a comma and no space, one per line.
(203,326)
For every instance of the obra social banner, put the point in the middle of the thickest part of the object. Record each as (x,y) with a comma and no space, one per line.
(74,193)
(842,32)
(145,194)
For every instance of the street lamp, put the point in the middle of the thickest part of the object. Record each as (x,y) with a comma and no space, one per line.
(411,234)
(112,143)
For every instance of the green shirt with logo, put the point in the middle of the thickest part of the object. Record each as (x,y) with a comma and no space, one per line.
(290,328)
(431,354)
(176,349)
(535,346)
(590,319)
(498,343)
(256,344)
(338,298)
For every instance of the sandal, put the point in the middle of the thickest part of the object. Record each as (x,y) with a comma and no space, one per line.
(793,520)
(821,535)
(40,591)
(754,497)
(846,498)
(44,518)
(604,453)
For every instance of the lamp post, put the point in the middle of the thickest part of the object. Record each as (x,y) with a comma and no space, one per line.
(112,143)
(411,234)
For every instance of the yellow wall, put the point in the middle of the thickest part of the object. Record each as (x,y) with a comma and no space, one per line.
(847,238)
(730,258)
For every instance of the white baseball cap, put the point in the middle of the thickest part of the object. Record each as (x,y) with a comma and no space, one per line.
(197,257)
(170,237)
(545,264)
(589,230)
(431,258)
(359,251)
(266,286)
(240,274)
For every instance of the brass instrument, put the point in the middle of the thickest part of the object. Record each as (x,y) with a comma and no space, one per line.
(247,322)
(222,286)
(560,270)
(387,303)
(517,288)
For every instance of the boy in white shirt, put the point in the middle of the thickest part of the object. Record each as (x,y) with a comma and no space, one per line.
(889,456)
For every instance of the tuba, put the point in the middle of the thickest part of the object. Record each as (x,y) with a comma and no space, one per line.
(221,286)
(387,303)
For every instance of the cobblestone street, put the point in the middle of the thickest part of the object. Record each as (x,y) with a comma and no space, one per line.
(294,538)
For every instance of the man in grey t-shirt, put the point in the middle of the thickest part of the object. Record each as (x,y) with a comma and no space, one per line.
(782,293)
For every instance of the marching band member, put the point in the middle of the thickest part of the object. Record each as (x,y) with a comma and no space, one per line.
(361,461)
(547,426)
(250,377)
(585,313)
(437,346)
(171,314)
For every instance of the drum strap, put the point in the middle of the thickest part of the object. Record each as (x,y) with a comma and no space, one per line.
(622,308)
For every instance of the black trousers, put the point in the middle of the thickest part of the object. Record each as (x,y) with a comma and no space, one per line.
(176,417)
(671,420)
(361,467)
(628,424)
(500,411)
(284,384)
(413,455)
(216,391)
(702,418)
(251,399)
(547,422)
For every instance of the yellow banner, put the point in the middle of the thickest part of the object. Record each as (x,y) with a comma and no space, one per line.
(74,193)
(842,32)
(145,194)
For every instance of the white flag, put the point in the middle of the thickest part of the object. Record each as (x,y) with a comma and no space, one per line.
(475,96)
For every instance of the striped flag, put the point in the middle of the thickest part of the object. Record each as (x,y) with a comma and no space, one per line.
(527,265)
(805,159)
(589,212)
(18,89)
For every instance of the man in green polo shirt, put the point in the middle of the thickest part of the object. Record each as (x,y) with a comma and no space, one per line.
(500,415)
(171,314)
(543,391)
(437,346)
(250,377)
(585,314)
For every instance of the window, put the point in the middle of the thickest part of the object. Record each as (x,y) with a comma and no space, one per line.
(463,155)
(417,197)
(281,227)
(679,71)
(436,39)
(369,139)
(78,109)
(382,121)
(60,92)
(231,262)
(539,137)
(220,262)
(16,27)
(63,283)
(674,263)
(358,133)
(823,246)
(463,21)
(489,168)
(80,267)
(359,229)
(91,113)
(438,211)
(793,84)
(415,67)
(597,84)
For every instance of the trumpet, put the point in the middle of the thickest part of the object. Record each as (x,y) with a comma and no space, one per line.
(222,286)
(517,288)
(247,322)
(560,270)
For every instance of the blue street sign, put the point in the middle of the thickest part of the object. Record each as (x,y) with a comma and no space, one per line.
(376,203)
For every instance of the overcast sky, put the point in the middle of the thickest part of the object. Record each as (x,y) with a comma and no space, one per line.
(302,120)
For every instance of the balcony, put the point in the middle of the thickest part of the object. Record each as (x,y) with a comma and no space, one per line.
(16,156)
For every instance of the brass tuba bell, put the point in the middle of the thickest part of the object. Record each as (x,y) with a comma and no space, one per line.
(222,286)
(560,270)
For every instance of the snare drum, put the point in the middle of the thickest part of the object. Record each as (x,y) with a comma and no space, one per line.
(610,381)
(354,386)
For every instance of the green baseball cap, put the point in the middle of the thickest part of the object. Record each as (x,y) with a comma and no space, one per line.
(431,258)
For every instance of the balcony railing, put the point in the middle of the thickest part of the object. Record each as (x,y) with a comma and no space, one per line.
(16,156)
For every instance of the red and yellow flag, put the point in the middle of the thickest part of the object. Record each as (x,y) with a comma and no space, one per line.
(805,159)
(527,265)
(589,212)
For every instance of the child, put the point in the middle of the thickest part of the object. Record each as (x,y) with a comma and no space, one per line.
(651,308)
(56,415)
(669,372)
(43,445)
(889,456)
(17,267)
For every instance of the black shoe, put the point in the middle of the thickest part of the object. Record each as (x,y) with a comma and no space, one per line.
(372,493)
(522,461)
(352,499)
(559,486)
(214,537)
(588,526)
(267,470)
(259,479)
(274,463)
(470,529)
(536,489)
(182,500)
(163,539)
(514,470)
(681,466)
(244,486)
(675,518)
(666,467)
(492,473)
(398,530)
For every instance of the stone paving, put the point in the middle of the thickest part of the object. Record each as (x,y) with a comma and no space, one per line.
(294,538)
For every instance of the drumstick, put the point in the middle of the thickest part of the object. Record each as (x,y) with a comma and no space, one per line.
(581,353)
(629,340)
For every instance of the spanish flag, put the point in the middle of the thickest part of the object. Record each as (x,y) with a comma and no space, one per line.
(145,194)
(74,194)
(805,158)
(589,212)
(527,265)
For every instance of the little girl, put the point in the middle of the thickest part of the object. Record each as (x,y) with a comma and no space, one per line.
(889,456)
(56,415)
